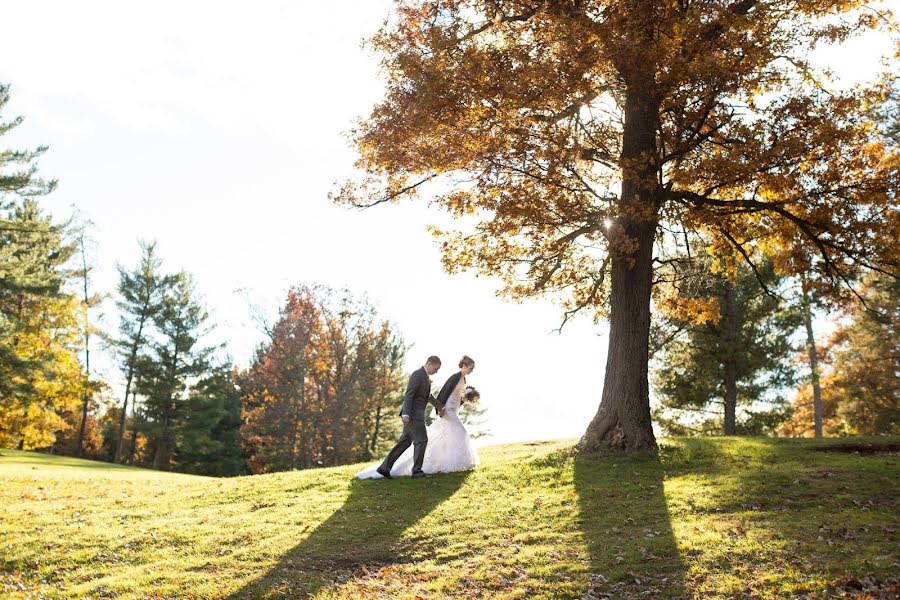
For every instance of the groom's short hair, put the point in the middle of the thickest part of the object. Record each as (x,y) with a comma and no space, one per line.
(433,360)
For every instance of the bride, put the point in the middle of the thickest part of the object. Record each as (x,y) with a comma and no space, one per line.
(449,447)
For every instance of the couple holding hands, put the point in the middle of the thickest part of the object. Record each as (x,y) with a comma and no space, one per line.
(443,447)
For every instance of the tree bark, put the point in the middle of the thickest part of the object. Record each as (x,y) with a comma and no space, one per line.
(373,444)
(813,365)
(120,446)
(86,397)
(132,448)
(296,426)
(161,454)
(623,418)
(730,382)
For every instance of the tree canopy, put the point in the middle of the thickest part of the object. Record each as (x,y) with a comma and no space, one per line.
(578,133)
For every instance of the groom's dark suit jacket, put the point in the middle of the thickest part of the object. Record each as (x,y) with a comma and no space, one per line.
(418,394)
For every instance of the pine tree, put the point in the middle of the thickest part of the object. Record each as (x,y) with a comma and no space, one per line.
(31,251)
(209,440)
(18,171)
(738,353)
(38,318)
(175,360)
(139,302)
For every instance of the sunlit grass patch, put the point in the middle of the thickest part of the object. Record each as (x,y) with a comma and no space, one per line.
(703,518)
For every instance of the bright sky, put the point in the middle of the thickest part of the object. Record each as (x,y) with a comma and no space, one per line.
(216,128)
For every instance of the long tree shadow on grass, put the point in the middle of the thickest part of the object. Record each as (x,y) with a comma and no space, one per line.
(366,533)
(625,521)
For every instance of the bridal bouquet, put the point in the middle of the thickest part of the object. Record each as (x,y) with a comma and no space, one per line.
(471,397)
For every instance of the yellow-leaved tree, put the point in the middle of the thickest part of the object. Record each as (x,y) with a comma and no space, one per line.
(48,334)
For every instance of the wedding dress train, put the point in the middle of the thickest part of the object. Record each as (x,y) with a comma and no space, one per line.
(449,446)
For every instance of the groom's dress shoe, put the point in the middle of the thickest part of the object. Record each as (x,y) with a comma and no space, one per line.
(421,474)
(383,473)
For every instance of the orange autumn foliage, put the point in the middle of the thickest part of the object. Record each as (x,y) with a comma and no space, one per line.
(569,131)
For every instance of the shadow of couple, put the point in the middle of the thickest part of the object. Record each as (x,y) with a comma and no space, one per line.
(369,532)
(365,534)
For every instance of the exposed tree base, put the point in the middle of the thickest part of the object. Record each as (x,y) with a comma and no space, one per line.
(610,433)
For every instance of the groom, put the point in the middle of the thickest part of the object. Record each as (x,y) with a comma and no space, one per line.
(418,394)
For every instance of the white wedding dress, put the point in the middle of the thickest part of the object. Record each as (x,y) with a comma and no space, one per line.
(449,446)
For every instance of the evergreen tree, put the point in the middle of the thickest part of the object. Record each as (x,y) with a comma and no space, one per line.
(740,354)
(139,302)
(209,439)
(31,251)
(18,171)
(32,254)
(175,360)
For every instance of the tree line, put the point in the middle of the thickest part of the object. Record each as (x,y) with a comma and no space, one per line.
(586,140)
(322,388)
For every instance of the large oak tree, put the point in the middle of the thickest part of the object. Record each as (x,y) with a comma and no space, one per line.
(576,132)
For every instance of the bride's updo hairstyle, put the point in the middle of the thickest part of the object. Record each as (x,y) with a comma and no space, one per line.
(466,361)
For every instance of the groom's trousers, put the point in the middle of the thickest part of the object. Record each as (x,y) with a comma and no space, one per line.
(413,433)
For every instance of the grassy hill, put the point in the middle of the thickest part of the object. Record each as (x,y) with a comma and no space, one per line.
(705,518)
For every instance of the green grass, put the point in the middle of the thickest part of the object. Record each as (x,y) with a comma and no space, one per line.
(705,518)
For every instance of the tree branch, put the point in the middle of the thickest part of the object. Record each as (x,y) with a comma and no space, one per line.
(740,248)
(496,21)
(396,194)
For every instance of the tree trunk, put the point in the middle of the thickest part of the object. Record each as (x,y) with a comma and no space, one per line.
(730,360)
(813,365)
(298,407)
(160,456)
(86,396)
(132,448)
(120,446)
(295,426)
(85,400)
(161,460)
(623,419)
(373,445)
